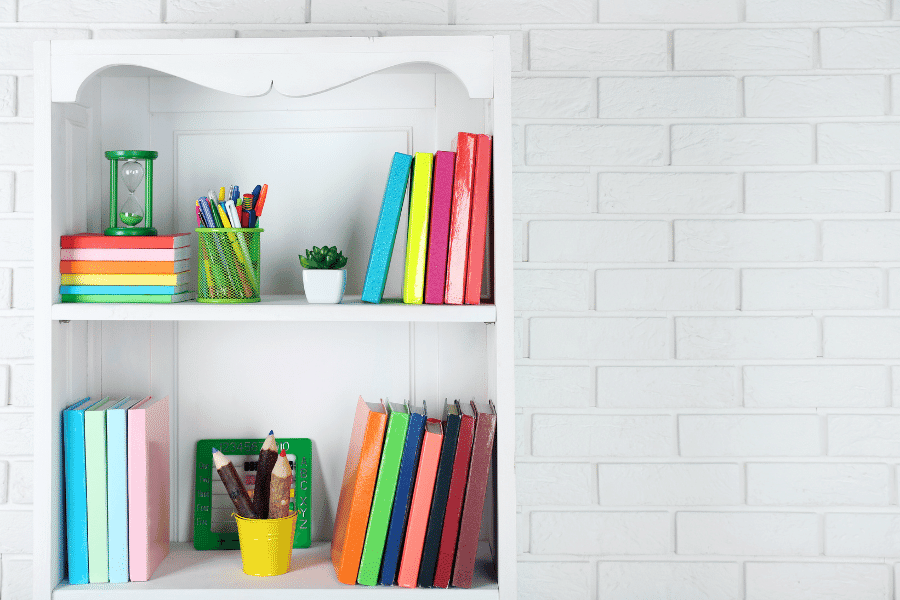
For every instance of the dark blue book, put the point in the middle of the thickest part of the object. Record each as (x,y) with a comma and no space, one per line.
(439,499)
(386,231)
(408,464)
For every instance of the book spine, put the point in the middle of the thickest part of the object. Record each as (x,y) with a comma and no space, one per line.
(386,231)
(481,193)
(138,495)
(117,495)
(76,496)
(121,267)
(95,475)
(168,290)
(447,548)
(439,227)
(114,241)
(128,298)
(122,279)
(460,213)
(115,254)
(417,234)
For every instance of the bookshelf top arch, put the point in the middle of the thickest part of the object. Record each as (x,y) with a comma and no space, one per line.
(253,67)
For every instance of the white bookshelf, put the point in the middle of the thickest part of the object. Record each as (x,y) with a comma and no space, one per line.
(318,120)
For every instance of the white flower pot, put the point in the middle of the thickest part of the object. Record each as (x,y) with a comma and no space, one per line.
(324,286)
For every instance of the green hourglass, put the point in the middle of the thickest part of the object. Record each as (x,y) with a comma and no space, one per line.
(131,214)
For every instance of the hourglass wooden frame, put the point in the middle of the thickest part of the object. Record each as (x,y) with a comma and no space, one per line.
(114,156)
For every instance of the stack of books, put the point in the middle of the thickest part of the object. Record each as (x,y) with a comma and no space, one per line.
(448,218)
(413,493)
(100,268)
(117,488)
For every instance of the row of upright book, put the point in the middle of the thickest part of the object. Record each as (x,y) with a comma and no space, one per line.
(448,217)
(412,496)
(116,456)
(100,268)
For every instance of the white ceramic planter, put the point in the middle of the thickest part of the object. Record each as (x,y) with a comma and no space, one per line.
(324,286)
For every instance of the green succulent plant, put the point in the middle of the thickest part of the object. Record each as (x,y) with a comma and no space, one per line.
(323,258)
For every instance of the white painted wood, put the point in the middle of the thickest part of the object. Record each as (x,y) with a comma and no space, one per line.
(279,308)
(187,574)
(239,370)
(293,67)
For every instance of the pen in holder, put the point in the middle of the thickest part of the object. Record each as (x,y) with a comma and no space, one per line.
(228,265)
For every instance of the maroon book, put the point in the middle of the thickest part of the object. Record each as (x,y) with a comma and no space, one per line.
(447,550)
(470,523)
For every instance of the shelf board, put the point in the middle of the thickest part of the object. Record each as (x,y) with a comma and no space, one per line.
(277,308)
(188,574)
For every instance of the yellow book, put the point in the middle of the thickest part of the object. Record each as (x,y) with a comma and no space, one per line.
(417,235)
(131,279)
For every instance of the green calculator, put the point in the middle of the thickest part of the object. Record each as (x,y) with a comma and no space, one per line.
(214,527)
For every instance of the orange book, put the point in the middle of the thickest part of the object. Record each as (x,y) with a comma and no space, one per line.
(113,267)
(357,488)
(460,213)
(420,506)
(481,193)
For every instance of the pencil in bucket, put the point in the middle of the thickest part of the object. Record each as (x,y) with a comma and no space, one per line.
(228,264)
(266,544)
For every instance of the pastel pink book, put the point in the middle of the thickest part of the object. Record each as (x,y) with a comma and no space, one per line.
(126,254)
(148,486)
(439,227)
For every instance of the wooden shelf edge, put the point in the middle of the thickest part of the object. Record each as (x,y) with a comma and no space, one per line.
(276,308)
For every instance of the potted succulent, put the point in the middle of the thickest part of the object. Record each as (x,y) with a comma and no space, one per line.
(324,276)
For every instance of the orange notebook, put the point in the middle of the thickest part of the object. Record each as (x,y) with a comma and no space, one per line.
(113,267)
(460,213)
(417,521)
(481,193)
(357,488)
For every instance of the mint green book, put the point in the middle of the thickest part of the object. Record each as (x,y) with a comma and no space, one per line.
(129,298)
(383,498)
(95,476)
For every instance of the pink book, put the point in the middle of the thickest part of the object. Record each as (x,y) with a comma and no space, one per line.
(126,254)
(439,232)
(148,486)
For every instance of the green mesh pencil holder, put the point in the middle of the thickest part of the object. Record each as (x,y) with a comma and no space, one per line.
(228,266)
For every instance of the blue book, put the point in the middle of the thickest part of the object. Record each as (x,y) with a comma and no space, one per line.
(408,464)
(117,488)
(119,290)
(386,231)
(76,490)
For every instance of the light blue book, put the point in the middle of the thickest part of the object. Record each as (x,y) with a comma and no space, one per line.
(76,490)
(386,231)
(117,488)
(121,290)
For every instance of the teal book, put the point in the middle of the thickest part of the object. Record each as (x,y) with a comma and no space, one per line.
(76,491)
(383,499)
(95,479)
(386,230)
(117,488)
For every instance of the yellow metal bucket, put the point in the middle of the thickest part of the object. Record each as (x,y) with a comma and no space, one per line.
(266,544)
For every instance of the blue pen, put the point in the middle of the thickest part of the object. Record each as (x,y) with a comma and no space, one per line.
(253,217)
(235,193)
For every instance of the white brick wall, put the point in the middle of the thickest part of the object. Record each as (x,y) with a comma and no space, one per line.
(708,364)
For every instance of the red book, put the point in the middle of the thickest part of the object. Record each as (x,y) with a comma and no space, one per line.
(447,550)
(460,212)
(481,193)
(470,522)
(357,488)
(439,226)
(420,505)
(98,240)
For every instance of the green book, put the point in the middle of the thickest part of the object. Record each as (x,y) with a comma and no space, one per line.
(128,298)
(95,476)
(383,499)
